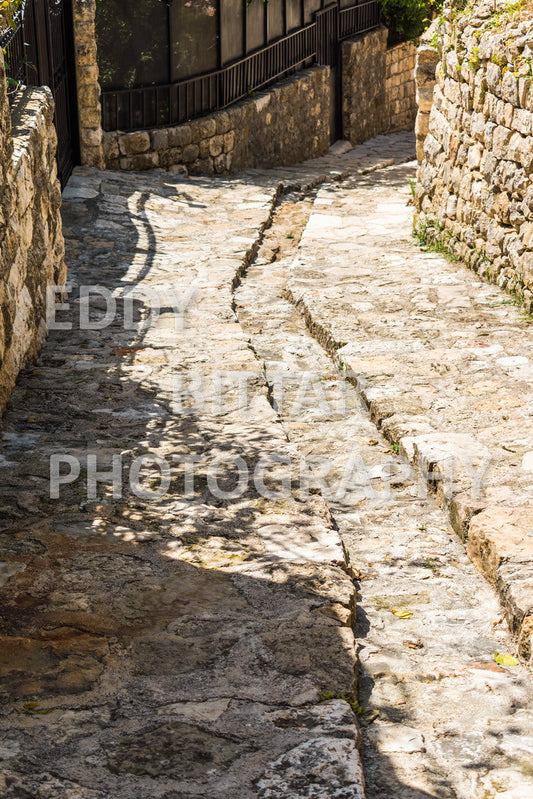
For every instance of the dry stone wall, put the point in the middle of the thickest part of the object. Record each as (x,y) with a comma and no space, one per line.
(474,190)
(284,125)
(400,87)
(31,239)
(378,86)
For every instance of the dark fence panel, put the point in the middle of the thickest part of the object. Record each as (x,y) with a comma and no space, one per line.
(193,40)
(255,26)
(134,42)
(327,25)
(176,102)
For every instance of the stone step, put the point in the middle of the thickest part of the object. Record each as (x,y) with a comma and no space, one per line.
(443,361)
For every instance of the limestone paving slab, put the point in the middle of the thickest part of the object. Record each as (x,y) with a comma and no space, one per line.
(162,639)
(179,645)
(442,360)
(440,718)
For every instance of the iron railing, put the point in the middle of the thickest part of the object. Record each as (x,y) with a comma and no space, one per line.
(19,69)
(174,103)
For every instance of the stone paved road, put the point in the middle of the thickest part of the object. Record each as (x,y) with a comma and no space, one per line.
(183,627)
(440,718)
(443,361)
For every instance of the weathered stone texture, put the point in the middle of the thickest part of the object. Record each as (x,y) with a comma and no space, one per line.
(89,110)
(474,142)
(31,240)
(378,86)
(400,88)
(282,126)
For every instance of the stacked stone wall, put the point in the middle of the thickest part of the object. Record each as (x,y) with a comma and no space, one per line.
(89,109)
(284,125)
(474,190)
(400,87)
(31,240)
(378,86)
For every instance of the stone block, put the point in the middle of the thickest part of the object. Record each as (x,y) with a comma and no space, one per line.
(500,139)
(522,121)
(229,141)
(474,156)
(493,77)
(219,164)
(140,161)
(190,153)
(203,129)
(180,136)
(203,149)
(501,545)
(509,88)
(160,139)
(216,146)
(92,138)
(223,122)
(202,167)
(170,157)
(134,143)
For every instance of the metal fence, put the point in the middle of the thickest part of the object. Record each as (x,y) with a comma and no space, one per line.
(38,51)
(178,101)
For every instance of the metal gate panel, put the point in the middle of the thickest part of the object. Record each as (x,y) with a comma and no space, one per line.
(40,52)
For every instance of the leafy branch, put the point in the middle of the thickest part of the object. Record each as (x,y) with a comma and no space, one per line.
(8,9)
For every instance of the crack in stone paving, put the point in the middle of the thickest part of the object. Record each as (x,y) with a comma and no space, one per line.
(162,640)
(439,717)
(156,644)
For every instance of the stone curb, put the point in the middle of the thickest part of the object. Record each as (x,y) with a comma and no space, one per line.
(499,539)
(507,561)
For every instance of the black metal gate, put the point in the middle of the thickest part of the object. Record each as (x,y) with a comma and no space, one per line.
(169,69)
(40,52)
(328,51)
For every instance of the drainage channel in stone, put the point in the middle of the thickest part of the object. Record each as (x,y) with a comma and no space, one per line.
(440,717)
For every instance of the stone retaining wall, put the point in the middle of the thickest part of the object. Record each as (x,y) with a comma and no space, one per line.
(378,86)
(31,240)
(474,192)
(283,125)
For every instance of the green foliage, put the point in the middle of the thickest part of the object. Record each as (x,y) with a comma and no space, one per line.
(408,19)
(346,697)
(7,12)
(433,238)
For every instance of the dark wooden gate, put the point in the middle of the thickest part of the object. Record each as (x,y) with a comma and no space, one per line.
(328,54)
(40,52)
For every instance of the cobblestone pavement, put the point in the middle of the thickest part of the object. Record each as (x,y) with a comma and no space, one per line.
(183,627)
(440,718)
(443,361)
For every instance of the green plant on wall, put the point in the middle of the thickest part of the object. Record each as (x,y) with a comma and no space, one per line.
(408,19)
(8,9)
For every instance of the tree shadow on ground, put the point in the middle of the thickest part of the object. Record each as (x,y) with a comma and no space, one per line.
(176,642)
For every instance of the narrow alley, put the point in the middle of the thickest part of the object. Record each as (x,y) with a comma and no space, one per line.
(266,524)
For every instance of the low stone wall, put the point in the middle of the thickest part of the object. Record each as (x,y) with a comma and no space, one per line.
(474,191)
(281,126)
(378,86)
(31,240)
